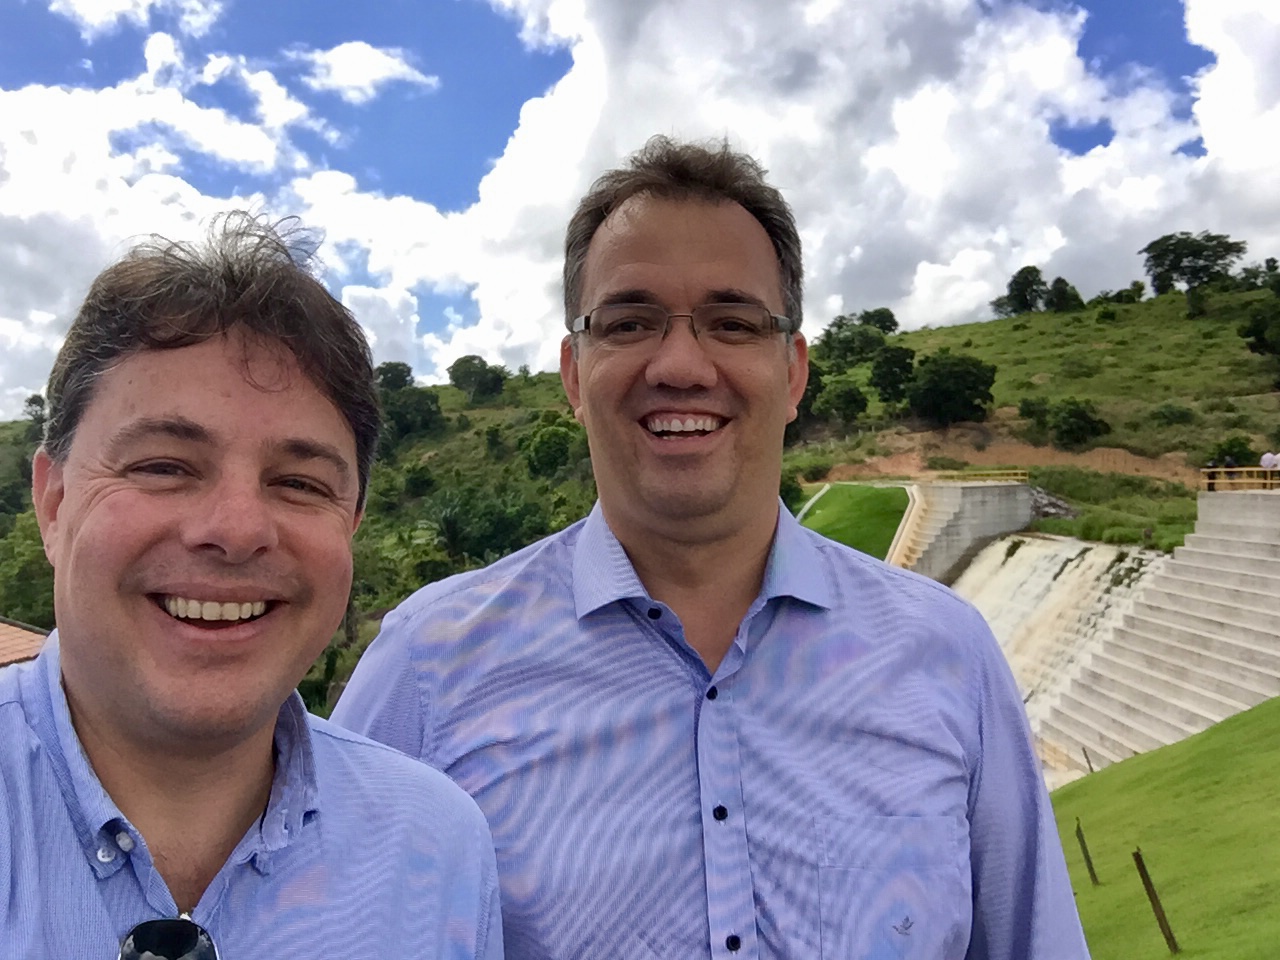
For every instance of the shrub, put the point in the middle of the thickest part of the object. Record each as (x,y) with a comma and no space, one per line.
(1170,414)
(1105,315)
(945,463)
(1238,448)
(1075,422)
(1035,409)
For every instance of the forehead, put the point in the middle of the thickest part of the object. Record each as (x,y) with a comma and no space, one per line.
(237,386)
(681,248)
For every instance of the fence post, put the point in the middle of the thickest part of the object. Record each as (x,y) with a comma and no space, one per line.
(1155,901)
(1086,759)
(1084,848)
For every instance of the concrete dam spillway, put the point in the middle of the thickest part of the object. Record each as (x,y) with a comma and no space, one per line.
(1120,650)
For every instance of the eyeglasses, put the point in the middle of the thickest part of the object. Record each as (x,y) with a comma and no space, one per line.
(728,325)
(180,939)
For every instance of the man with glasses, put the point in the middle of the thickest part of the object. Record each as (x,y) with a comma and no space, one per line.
(212,419)
(696,728)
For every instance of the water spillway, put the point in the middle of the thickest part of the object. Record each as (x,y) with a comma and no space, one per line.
(1118,651)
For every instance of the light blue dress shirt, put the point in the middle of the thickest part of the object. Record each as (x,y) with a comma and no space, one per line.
(361,853)
(856,780)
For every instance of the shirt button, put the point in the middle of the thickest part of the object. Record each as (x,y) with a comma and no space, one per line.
(712,693)
(655,613)
(106,854)
(733,942)
(721,812)
(125,841)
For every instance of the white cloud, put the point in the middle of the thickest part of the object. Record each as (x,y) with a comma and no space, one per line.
(357,71)
(98,17)
(912,137)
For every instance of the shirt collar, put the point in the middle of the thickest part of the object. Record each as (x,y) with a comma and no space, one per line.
(95,816)
(603,573)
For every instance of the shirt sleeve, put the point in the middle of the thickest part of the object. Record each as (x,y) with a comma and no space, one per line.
(384,700)
(1023,904)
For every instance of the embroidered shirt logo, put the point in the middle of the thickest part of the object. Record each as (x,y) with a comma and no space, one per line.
(904,927)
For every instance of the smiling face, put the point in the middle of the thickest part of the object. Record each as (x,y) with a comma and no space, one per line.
(200,532)
(685,442)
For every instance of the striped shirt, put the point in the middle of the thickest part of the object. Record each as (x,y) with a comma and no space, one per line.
(856,779)
(361,852)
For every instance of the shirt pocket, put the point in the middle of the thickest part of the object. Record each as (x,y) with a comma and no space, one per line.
(893,888)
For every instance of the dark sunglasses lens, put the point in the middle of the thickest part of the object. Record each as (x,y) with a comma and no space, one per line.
(168,940)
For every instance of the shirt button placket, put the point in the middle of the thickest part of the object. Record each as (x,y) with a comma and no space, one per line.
(730,900)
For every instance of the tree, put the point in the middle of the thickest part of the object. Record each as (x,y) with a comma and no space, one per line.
(1192,260)
(1075,422)
(394,375)
(26,579)
(841,400)
(1026,291)
(881,318)
(950,387)
(409,412)
(1261,331)
(804,409)
(548,449)
(1062,297)
(477,379)
(846,343)
(891,372)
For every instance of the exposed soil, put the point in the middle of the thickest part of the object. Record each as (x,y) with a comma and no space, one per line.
(909,452)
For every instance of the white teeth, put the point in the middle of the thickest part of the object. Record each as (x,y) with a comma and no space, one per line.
(186,609)
(685,425)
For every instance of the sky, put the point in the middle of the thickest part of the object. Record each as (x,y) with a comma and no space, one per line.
(929,148)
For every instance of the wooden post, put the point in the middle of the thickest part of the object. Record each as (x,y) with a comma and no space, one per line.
(1155,901)
(1086,758)
(1084,848)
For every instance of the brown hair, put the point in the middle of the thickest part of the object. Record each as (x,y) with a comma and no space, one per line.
(250,274)
(670,170)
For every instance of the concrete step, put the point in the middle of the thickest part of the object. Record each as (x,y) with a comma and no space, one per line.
(1257,582)
(1238,531)
(1234,597)
(1064,742)
(1067,716)
(1262,549)
(1139,698)
(1156,681)
(1225,676)
(1232,637)
(1133,722)
(1244,609)
(1254,566)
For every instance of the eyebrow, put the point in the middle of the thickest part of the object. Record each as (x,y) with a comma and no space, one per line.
(640,295)
(188,431)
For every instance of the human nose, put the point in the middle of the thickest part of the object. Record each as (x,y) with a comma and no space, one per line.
(233,520)
(679,359)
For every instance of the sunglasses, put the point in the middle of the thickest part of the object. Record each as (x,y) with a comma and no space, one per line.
(180,939)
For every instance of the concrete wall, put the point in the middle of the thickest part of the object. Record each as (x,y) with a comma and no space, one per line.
(964,517)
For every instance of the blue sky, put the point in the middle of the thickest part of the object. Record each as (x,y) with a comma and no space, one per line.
(929,147)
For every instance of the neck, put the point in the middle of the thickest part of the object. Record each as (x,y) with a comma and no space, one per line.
(708,580)
(192,804)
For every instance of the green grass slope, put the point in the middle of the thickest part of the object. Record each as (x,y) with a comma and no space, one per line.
(1205,814)
(865,518)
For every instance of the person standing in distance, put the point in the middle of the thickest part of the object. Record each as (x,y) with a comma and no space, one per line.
(212,418)
(696,728)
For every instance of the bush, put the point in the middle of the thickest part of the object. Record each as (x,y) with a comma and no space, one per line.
(1238,448)
(811,467)
(792,493)
(1105,315)
(1075,422)
(1171,414)
(945,463)
(1035,409)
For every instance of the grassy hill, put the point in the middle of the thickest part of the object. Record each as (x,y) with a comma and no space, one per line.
(863,517)
(1204,813)
(1142,364)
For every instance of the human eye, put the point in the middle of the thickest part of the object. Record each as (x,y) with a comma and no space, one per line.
(734,322)
(304,486)
(159,469)
(626,323)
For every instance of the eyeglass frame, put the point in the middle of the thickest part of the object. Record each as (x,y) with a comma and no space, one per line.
(780,324)
(202,936)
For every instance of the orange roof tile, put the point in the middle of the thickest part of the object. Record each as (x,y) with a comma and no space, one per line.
(19,641)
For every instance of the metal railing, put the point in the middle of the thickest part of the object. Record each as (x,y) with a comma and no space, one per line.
(990,476)
(1229,479)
